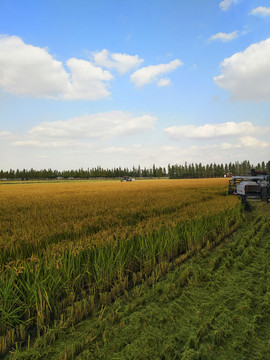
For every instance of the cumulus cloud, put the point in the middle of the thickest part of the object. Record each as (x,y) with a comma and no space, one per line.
(5,134)
(87,80)
(250,141)
(96,126)
(88,140)
(228,146)
(264,11)
(221,152)
(41,144)
(114,149)
(67,154)
(117,61)
(224,37)
(247,74)
(164,82)
(151,73)
(32,71)
(209,131)
(225,4)
(229,141)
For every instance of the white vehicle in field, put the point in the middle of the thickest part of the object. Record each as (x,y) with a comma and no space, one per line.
(127,178)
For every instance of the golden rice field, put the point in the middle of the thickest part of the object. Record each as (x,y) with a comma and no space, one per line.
(68,248)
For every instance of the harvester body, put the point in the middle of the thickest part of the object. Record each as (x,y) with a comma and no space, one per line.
(255,187)
(127,178)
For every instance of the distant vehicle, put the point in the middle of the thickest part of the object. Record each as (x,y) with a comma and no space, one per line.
(127,178)
(255,186)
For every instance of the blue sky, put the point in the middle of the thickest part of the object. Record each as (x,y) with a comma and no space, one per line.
(123,83)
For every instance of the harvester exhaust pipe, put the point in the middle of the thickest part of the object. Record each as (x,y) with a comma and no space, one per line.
(268,168)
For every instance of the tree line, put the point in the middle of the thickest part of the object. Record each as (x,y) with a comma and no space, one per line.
(215,170)
(193,170)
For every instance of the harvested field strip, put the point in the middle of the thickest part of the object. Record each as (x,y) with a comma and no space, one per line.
(213,306)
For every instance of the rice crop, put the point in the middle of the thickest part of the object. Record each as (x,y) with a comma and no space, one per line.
(67,249)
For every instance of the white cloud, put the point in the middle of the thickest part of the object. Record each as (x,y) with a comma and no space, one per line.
(218,152)
(229,142)
(225,37)
(114,149)
(247,74)
(87,80)
(225,4)
(117,61)
(79,153)
(32,71)
(97,126)
(41,144)
(264,11)
(151,73)
(88,140)
(228,146)
(164,82)
(209,131)
(250,141)
(137,146)
(5,134)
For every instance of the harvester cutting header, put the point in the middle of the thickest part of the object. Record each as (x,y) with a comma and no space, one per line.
(255,186)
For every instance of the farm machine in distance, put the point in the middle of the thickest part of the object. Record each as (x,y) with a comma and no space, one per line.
(127,178)
(255,186)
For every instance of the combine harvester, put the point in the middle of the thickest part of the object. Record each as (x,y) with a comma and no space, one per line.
(127,178)
(255,186)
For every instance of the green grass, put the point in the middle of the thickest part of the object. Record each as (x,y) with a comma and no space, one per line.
(213,305)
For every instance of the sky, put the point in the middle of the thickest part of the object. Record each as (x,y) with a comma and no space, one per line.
(122,83)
